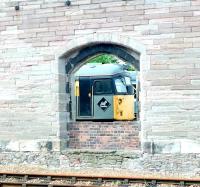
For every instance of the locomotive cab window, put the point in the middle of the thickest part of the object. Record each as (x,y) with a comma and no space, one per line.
(128,81)
(120,85)
(103,86)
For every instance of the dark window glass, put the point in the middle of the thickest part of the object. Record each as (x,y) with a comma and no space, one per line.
(103,86)
(85,107)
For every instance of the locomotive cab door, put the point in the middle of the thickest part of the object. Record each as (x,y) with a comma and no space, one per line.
(84,99)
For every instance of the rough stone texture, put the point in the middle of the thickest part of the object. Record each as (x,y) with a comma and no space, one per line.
(104,135)
(32,82)
(105,162)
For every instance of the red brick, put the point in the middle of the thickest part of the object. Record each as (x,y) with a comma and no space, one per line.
(104,135)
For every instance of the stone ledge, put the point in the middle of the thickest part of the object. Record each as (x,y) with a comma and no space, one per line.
(117,152)
(106,122)
(171,146)
(38,145)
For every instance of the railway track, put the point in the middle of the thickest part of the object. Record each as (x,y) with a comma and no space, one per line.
(51,180)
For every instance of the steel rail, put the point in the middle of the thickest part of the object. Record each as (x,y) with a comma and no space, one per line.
(52,179)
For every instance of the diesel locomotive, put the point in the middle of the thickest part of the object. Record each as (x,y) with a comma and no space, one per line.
(105,92)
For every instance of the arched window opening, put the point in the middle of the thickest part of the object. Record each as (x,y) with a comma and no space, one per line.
(103,83)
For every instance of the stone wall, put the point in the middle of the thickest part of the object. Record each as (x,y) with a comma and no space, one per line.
(104,135)
(166,33)
(103,162)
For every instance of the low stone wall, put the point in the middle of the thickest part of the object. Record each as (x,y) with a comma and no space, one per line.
(132,163)
(123,135)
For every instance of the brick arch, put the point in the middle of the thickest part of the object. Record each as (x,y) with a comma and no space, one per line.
(122,40)
(70,49)
(77,58)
